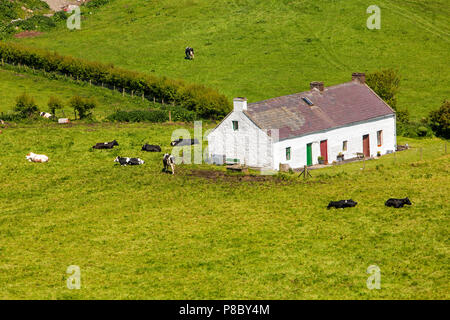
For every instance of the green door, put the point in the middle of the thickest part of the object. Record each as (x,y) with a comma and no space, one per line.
(309,154)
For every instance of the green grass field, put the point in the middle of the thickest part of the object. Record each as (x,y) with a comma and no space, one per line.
(262,49)
(136,232)
(13,84)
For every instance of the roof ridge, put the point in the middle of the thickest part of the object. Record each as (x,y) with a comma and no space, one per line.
(304,92)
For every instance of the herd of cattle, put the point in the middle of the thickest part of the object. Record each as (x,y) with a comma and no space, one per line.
(392,202)
(169,161)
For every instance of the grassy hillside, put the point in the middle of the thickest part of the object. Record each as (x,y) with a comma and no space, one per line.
(138,233)
(262,49)
(12,84)
(10,10)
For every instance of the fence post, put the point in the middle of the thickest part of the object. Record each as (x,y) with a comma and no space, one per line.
(90,82)
(445,147)
(142,96)
(162,100)
(421,156)
(154,100)
(123,92)
(3,63)
(132,93)
(170,116)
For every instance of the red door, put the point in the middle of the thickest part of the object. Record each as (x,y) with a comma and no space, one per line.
(366,145)
(324,150)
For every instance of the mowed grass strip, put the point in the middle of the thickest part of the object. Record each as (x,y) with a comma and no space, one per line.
(137,233)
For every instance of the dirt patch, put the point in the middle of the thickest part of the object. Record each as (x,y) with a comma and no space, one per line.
(27,34)
(58,5)
(232,177)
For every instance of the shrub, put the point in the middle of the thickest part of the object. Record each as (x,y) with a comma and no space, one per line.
(386,84)
(25,106)
(82,106)
(440,120)
(54,104)
(402,116)
(154,115)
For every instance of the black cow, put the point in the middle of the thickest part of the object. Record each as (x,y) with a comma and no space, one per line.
(106,145)
(151,148)
(189,52)
(341,204)
(124,161)
(397,203)
(169,160)
(184,142)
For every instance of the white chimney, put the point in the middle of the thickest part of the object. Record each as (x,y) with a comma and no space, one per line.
(239,104)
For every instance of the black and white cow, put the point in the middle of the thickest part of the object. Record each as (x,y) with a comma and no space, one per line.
(46,115)
(189,52)
(169,160)
(106,145)
(151,148)
(397,203)
(124,161)
(341,204)
(184,142)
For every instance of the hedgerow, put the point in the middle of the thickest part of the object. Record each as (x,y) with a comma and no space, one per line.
(205,102)
(154,115)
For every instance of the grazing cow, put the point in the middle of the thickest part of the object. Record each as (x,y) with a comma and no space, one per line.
(184,142)
(124,161)
(341,204)
(169,160)
(32,157)
(106,145)
(397,203)
(45,115)
(151,148)
(189,52)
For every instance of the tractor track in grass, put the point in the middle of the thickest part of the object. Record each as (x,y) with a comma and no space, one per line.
(416,19)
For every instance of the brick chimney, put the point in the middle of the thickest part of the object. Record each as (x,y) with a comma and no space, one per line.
(239,104)
(359,76)
(316,84)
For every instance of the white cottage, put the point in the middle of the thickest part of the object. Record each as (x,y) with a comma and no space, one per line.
(297,129)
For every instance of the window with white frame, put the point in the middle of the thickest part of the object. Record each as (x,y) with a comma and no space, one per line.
(235,125)
(288,153)
(379,138)
(344,145)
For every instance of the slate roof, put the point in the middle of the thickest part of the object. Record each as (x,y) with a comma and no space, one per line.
(335,106)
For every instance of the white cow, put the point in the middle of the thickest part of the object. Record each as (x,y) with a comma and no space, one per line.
(32,157)
(45,115)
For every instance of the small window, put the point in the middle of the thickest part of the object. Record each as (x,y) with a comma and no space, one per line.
(379,138)
(235,125)
(309,102)
(288,153)
(344,145)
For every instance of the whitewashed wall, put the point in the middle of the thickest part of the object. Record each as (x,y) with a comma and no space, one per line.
(352,133)
(251,145)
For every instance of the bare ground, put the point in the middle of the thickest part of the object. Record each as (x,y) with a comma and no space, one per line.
(27,34)
(57,5)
